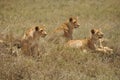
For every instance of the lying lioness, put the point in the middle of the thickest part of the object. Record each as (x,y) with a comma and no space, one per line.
(92,43)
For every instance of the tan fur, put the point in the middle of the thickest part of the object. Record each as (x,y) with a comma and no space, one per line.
(92,43)
(29,42)
(66,29)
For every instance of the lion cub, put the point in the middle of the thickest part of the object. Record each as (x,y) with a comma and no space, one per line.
(29,42)
(65,31)
(92,43)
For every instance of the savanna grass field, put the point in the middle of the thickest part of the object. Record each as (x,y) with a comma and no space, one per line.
(56,62)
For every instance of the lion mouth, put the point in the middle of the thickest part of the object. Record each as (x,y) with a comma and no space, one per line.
(77,26)
(44,35)
(101,36)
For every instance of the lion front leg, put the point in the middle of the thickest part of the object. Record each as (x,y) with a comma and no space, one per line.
(35,50)
(102,50)
(105,50)
(108,50)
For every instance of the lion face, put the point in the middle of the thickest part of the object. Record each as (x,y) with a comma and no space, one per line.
(74,22)
(40,31)
(43,32)
(97,34)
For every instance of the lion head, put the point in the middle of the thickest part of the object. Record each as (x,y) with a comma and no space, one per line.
(40,31)
(74,22)
(97,33)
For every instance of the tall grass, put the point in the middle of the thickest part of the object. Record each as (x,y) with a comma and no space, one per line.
(55,61)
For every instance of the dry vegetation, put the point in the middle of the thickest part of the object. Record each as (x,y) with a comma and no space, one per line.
(55,62)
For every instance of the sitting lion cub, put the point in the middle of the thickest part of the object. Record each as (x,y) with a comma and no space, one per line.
(30,40)
(65,31)
(92,43)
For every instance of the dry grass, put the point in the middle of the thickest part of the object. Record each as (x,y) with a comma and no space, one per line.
(55,62)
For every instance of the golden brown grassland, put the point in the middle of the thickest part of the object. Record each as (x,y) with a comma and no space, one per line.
(55,62)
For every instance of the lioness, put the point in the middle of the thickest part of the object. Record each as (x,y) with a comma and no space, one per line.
(65,30)
(92,43)
(29,42)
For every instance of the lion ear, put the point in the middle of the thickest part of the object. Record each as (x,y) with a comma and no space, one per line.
(70,19)
(36,28)
(92,31)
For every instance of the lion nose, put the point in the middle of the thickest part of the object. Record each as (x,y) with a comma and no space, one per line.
(45,33)
(78,24)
